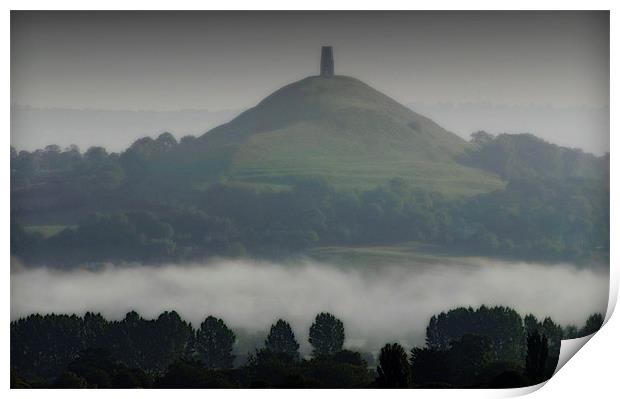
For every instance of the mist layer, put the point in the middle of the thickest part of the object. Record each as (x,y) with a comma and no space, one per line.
(390,304)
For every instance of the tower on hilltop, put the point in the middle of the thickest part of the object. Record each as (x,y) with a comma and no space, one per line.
(327,61)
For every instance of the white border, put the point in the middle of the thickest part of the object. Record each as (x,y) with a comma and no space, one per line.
(592,373)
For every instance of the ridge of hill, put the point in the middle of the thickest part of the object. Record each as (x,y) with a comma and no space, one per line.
(343,131)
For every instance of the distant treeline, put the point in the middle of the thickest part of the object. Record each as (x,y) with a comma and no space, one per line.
(465,347)
(527,156)
(143,206)
(529,219)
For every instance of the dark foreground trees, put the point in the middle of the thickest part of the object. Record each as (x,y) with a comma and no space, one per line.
(537,354)
(95,368)
(281,339)
(214,343)
(504,326)
(468,361)
(393,370)
(488,347)
(326,334)
(343,369)
(593,324)
(166,352)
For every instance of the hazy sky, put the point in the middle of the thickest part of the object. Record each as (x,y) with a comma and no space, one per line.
(224,60)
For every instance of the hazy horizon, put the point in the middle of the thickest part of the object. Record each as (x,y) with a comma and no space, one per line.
(33,128)
(169,61)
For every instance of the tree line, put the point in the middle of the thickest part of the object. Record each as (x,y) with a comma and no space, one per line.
(536,219)
(465,347)
(525,155)
(150,203)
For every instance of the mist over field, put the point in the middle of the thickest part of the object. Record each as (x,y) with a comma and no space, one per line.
(394,304)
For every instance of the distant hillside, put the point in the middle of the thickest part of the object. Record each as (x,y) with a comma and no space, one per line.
(527,156)
(339,129)
(33,128)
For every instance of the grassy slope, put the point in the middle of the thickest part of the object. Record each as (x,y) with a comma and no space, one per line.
(412,254)
(346,132)
(419,255)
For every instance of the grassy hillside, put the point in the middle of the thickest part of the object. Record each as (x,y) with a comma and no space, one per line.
(344,131)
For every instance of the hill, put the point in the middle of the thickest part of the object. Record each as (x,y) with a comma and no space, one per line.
(339,129)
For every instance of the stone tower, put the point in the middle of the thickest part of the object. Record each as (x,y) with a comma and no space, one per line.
(327,62)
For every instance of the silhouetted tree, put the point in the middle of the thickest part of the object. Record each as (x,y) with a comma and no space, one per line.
(503,325)
(214,343)
(393,370)
(593,324)
(481,137)
(429,366)
(95,330)
(530,323)
(173,336)
(536,359)
(44,345)
(132,341)
(326,334)
(464,363)
(192,374)
(270,369)
(468,358)
(571,332)
(554,334)
(281,339)
(100,370)
(165,141)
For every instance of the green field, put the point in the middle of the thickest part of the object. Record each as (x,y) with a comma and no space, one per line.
(413,254)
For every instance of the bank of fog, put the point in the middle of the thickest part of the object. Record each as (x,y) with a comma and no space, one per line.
(392,303)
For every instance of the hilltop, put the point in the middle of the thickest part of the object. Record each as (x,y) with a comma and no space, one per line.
(339,129)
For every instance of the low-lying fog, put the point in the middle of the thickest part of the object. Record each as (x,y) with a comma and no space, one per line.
(393,303)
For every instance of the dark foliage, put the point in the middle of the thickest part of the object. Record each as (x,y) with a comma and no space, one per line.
(502,325)
(537,354)
(487,347)
(193,374)
(99,370)
(214,343)
(429,366)
(393,370)
(554,334)
(281,339)
(525,155)
(150,345)
(326,335)
(90,352)
(593,324)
